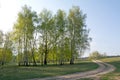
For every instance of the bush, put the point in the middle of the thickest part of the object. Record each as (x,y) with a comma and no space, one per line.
(96,55)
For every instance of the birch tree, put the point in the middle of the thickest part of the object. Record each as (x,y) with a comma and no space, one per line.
(77,28)
(24,29)
(45,27)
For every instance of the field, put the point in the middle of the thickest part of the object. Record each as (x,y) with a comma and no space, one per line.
(113,75)
(14,72)
(10,72)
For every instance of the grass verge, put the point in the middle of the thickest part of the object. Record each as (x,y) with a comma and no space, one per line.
(85,79)
(13,72)
(113,75)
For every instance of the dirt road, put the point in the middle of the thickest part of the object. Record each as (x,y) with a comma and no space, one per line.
(102,69)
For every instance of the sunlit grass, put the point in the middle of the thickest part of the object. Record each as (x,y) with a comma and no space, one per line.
(113,75)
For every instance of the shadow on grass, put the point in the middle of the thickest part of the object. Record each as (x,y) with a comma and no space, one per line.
(14,72)
(85,79)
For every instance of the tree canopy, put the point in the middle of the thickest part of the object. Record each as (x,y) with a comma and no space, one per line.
(45,37)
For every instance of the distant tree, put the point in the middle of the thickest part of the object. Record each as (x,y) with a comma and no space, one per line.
(1,47)
(95,55)
(1,38)
(6,49)
(104,54)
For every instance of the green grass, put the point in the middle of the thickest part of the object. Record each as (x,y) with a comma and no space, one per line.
(85,79)
(113,75)
(21,73)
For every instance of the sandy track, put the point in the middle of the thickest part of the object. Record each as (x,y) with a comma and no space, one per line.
(102,69)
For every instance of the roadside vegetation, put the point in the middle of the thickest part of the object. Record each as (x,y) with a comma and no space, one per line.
(85,79)
(113,75)
(97,55)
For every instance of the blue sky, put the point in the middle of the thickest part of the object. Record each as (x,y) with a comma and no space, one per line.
(103,19)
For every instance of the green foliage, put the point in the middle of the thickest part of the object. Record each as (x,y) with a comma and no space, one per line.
(1,38)
(85,79)
(45,28)
(39,38)
(5,48)
(95,55)
(5,55)
(24,29)
(78,32)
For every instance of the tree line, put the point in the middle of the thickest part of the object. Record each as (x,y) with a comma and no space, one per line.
(44,37)
(97,55)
